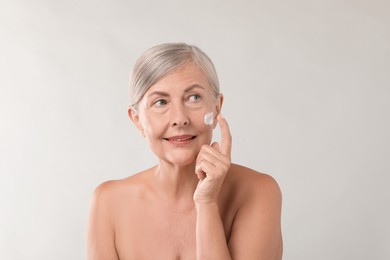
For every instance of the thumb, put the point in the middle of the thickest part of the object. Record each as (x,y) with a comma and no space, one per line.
(215,145)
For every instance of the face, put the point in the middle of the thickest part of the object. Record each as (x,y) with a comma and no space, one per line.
(171,115)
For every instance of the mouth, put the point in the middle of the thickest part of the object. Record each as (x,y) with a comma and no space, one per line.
(180,139)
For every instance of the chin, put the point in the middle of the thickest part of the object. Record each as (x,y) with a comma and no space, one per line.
(181,159)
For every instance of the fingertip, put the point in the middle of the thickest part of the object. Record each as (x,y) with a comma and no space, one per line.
(215,145)
(201,175)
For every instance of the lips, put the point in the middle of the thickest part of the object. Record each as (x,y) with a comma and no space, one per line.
(180,139)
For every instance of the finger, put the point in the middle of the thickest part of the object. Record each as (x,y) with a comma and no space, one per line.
(212,149)
(201,175)
(225,145)
(213,155)
(209,149)
(206,168)
(201,153)
(215,145)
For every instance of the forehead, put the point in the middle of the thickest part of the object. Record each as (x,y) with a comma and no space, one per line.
(187,75)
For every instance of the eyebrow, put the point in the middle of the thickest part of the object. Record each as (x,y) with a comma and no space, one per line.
(188,89)
(165,94)
(158,93)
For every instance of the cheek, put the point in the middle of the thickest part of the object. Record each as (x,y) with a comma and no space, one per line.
(152,127)
(198,120)
(207,115)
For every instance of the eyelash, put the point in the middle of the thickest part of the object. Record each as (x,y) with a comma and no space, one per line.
(198,97)
(158,102)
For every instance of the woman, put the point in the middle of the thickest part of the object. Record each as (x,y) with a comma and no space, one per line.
(195,204)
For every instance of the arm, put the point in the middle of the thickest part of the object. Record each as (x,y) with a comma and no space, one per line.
(210,234)
(256,232)
(100,237)
(212,165)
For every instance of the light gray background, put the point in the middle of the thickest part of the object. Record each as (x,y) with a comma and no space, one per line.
(307,98)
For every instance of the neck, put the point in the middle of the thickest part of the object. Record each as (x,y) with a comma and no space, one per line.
(176,182)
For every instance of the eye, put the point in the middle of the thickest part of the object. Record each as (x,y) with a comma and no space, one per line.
(160,103)
(194,98)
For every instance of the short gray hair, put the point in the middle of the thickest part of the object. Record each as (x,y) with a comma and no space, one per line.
(162,59)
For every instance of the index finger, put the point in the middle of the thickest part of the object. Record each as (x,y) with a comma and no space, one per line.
(225,146)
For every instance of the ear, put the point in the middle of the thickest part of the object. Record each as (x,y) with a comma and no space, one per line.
(134,116)
(219,102)
(218,108)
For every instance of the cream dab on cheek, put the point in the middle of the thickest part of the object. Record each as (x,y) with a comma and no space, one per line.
(208,118)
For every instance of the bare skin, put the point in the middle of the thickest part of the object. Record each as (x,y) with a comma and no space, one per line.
(195,204)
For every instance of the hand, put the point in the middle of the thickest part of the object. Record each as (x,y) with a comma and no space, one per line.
(212,165)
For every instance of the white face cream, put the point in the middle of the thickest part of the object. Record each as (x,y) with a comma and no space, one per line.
(209,118)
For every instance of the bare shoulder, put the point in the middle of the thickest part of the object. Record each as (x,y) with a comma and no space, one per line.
(114,191)
(257,221)
(108,202)
(254,184)
(109,190)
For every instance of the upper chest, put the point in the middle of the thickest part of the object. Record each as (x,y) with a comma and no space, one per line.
(148,227)
(155,232)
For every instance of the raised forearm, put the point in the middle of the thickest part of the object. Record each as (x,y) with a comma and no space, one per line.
(210,235)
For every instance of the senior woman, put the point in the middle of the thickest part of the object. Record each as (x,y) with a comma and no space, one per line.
(195,204)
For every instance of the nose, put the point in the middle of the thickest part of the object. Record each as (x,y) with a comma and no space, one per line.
(179,116)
